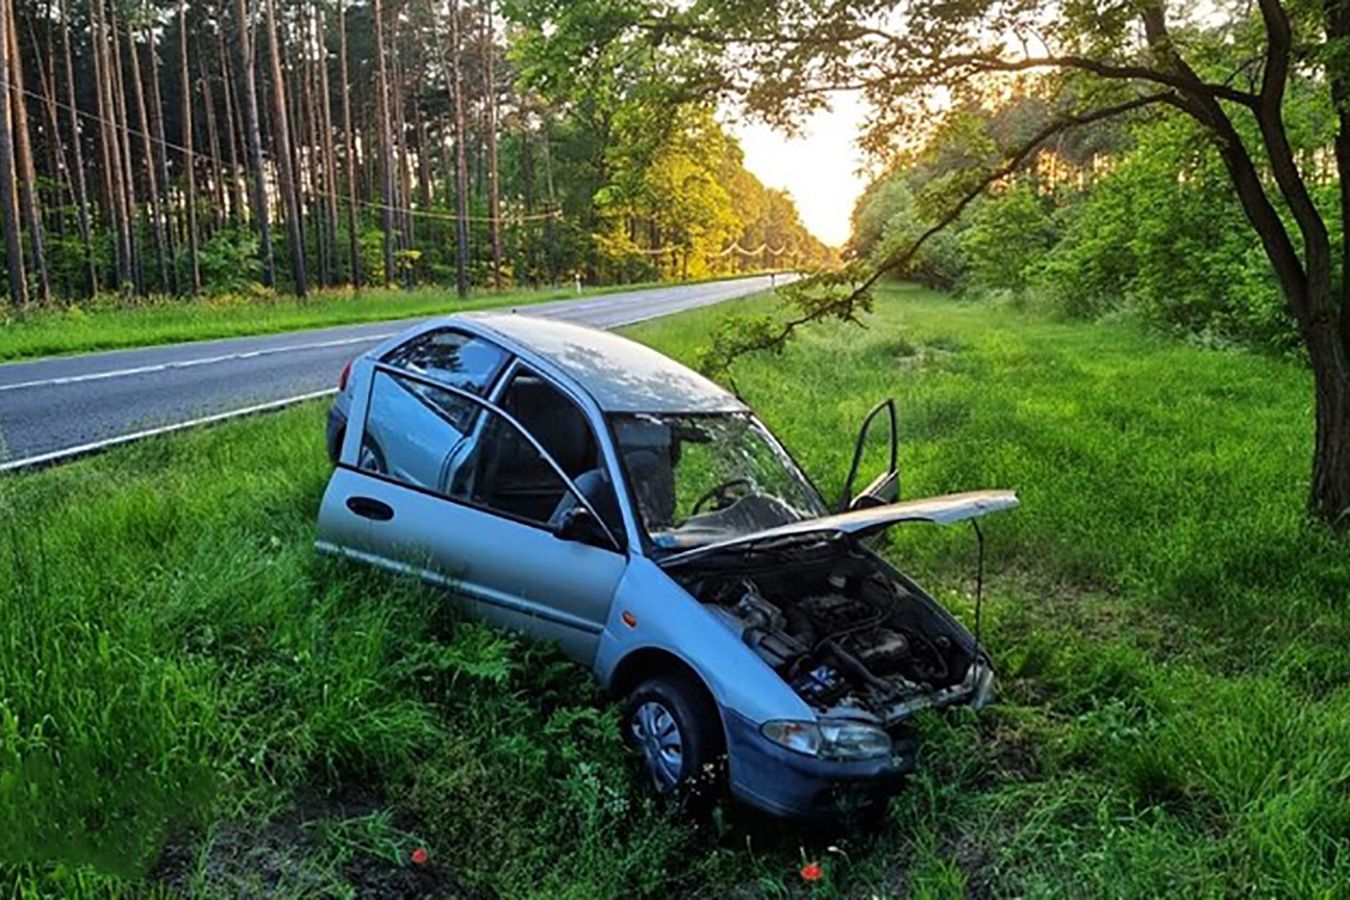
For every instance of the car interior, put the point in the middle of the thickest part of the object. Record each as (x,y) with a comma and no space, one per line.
(650,453)
(514,478)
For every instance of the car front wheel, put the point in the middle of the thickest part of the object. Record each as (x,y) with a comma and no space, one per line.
(673,725)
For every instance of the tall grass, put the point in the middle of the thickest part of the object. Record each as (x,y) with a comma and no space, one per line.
(1173,633)
(179,670)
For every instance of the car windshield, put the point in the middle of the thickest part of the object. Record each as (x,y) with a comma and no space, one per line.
(700,479)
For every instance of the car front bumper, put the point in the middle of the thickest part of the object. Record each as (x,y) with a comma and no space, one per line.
(785,783)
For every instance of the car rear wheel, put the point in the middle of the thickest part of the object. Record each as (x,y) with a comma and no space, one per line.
(673,724)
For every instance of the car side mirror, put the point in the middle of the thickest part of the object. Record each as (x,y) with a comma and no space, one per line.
(578,524)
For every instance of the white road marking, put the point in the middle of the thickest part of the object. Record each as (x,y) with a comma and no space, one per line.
(188,363)
(656,309)
(95,446)
(554,309)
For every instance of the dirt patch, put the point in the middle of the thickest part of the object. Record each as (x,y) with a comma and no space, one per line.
(328,842)
(1100,611)
(973,858)
(923,356)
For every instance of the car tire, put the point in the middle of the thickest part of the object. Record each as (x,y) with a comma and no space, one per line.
(673,725)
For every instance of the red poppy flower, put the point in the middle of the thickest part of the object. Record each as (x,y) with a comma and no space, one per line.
(812,872)
(419,856)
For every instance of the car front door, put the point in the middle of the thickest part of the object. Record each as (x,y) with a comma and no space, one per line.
(461,494)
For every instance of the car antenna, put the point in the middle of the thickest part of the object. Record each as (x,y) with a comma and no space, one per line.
(979,583)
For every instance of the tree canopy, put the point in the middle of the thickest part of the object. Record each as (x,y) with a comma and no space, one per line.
(1267,85)
(180,148)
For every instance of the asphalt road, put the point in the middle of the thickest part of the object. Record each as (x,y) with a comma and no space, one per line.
(61,407)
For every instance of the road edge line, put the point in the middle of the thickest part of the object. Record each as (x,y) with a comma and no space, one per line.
(69,453)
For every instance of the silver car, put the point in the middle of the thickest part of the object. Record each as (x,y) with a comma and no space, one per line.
(578,487)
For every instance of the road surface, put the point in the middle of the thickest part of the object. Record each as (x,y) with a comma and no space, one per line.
(62,407)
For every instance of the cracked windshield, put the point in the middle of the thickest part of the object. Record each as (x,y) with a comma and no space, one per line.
(698,479)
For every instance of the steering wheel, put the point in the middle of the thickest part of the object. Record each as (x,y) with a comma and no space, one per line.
(721,493)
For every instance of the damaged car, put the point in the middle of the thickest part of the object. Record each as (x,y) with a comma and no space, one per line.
(581,488)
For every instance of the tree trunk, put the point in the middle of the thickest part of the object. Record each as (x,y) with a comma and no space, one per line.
(109,208)
(77,156)
(25,168)
(1330,495)
(189,155)
(353,225)
(253,133)
(461,160)
(212,143)
(400,130)
(148,151)
(1329,343)
(550,225)
(233,155)
(9,208)
(423,158)
(112,149)
(123,122)
(1338,30)
(61,190)
(326,146)
(306,142)
(494,194)
(162,160)
(386,144)
(524,243)
(295,122)
(282,148)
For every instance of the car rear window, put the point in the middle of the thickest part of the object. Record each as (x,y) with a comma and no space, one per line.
(451,357)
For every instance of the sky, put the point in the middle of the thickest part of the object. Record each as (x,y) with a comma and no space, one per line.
(819,168)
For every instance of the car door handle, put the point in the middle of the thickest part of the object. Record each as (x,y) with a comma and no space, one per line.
(370,508)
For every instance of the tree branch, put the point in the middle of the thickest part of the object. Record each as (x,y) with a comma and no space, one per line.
(726,348)
(979,62)
(1015,161)
(1115,71)
(1260,212)
(1338,29)
(1270,120)
(1279,40)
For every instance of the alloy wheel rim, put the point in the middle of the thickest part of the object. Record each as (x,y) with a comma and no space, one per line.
(656,732)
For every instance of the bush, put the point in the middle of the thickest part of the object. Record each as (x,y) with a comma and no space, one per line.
(228,260)
(892,222)
(1007,240)
(1159,235)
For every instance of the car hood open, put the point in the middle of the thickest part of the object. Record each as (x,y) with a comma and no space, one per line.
(945,510)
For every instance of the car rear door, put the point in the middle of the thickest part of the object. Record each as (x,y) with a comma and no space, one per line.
(420,490)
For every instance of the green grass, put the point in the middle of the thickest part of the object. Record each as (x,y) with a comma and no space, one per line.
(179,667)
(111,323)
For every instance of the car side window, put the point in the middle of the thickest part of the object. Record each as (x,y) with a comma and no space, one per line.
(451,357)
(562,429)
(451,445)
(415,433)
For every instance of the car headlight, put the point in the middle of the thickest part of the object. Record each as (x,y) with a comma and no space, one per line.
(836,740)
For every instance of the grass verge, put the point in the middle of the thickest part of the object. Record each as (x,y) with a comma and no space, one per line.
(112,323)
(180,670)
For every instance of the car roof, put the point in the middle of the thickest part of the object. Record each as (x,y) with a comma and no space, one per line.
(622,375)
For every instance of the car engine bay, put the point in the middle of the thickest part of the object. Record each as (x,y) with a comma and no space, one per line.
(843,633)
